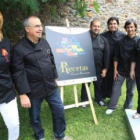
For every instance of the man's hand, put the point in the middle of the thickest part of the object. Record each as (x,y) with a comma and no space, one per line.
(25,101)
(132,70)
(104,71)
(116,74)
(56,81)
(132,74)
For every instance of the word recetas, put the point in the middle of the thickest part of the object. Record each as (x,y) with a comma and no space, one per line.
(66,69)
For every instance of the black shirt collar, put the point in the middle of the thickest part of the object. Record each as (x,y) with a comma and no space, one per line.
(131,38)
(112,32)
(31,43)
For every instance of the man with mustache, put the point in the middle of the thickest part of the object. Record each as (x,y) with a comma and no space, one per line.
(101,59)
(112,36)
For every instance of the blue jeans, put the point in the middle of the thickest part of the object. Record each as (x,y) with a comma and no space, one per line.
(57,109)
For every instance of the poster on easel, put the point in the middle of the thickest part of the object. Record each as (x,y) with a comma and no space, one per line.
(73,53)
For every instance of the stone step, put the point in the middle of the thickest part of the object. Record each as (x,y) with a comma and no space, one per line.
(134,124)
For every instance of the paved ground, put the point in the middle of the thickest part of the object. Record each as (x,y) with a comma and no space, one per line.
(134,124)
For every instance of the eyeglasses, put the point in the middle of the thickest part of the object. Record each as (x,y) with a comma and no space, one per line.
(37,26)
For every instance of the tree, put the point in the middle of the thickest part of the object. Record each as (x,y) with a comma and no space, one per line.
(15,11)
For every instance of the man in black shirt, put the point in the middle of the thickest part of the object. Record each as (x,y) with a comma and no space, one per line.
(122,60)
(101,58)
(135,74)
(112,36)
(35,78)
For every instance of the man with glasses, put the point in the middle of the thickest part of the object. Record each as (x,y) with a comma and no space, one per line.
(35,75)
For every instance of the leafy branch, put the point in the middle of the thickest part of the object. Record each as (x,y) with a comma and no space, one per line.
(14,11)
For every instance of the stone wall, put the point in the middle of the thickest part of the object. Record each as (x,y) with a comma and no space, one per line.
(123,9)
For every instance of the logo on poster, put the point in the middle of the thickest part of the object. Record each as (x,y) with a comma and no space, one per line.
(70,47)
(64,67)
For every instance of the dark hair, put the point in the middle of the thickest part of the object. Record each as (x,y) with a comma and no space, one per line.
(113,18)
(95,19)
(128,22)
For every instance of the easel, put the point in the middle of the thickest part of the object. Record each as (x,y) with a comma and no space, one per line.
(77,104)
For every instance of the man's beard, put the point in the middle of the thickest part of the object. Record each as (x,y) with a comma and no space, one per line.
(114,30)
(93,33)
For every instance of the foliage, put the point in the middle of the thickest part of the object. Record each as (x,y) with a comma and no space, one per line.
(96,6)
(15,11)
(81,7)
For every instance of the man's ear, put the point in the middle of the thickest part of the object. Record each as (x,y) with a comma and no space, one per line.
(26,29)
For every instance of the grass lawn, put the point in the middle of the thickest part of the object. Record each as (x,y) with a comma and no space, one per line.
(80,125)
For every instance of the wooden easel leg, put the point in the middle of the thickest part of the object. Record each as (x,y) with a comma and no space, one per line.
(91,104)
(62,93)
(75,95)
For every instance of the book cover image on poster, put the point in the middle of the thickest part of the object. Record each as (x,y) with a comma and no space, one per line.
(73,53)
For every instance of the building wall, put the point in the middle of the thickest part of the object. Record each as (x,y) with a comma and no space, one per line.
(123,9)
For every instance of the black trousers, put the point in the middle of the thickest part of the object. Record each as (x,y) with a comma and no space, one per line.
(97,90)
(138,88)
(108,82)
